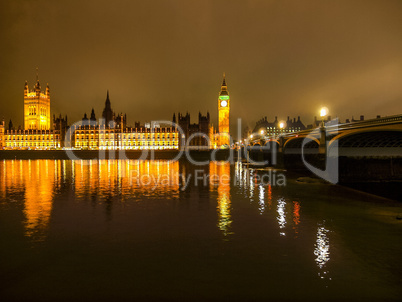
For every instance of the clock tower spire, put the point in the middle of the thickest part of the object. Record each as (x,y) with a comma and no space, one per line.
(224,110)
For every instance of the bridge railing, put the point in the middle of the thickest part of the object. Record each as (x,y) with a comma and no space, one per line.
(394,119)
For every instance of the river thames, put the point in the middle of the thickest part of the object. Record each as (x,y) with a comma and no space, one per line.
(159,230)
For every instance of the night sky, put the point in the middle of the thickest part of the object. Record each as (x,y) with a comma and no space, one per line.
(158,57)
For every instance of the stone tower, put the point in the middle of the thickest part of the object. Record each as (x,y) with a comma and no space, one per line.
(107,113)
(36,107)
(224,110)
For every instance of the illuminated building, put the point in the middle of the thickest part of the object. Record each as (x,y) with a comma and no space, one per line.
(61,125)
(107,114)
(32,139)
(212,137)
(1,134)
(36,108)
(103,138)
(194,135)
(37,133)
(224,109)
(112,133)
(277,127)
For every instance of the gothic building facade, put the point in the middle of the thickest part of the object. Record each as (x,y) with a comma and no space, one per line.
(275,128)
(36,107)
(111,130)
(37,132)
(223,137)
(112,133)
(196,135)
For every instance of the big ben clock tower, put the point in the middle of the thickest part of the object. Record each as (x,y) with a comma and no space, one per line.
(224,109)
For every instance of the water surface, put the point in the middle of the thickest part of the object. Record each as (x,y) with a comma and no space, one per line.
(125,230)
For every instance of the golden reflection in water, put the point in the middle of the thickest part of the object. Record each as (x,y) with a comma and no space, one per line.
(321,251)
(36,181)
(251,184)
(245,178)
(11,177)
(220,178)
(296,217)
(126,178)
(238,173)
(3,180)
(281,210)
(261,203)
(269,198)
(241,174)
(160,177)
(39,190)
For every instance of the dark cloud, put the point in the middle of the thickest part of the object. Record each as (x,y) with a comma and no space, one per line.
(156,57)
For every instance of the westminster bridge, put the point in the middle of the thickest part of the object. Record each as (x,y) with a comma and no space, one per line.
(369,150)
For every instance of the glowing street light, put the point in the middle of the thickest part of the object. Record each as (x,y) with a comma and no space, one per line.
(323,112)
(282,125)
(262,132)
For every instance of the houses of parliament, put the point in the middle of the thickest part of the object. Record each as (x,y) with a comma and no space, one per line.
(41,131)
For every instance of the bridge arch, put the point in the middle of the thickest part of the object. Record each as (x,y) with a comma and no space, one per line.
(294,141)
(298,141)
(372,138)
(271,145)
(273,140)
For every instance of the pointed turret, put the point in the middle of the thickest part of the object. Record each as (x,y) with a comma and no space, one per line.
(37,85)
(26,89)
(37,88)
(224,87)
(107,113)
(107,103)
(93,117)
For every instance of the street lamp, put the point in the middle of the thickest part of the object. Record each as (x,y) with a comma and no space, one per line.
(323,114)
(322,149)
(282,125)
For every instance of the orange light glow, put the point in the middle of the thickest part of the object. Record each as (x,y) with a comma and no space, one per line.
(296,216)
(220,178)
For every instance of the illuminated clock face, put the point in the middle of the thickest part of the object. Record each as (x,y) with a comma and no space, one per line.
(224,104)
